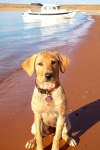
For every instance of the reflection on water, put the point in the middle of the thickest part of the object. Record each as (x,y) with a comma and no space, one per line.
(63,31)
(54,26)
(50,26)
(45,23)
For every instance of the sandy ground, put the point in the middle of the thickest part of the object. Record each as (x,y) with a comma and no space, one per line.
(25,7)
(82,85)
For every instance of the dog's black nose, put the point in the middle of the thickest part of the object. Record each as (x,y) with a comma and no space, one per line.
(48,76)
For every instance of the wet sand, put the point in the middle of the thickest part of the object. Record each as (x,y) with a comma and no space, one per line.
(82,85)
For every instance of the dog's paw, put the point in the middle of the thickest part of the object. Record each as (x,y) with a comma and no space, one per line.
(71,142)
(30,144)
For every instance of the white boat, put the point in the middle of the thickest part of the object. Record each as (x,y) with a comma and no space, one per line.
(49,11)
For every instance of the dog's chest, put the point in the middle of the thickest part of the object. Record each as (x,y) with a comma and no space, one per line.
(57,102)
(50,117)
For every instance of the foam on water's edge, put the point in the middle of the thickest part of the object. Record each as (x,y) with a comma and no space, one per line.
(81,31)
(72,40)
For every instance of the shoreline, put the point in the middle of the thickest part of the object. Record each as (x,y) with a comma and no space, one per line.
(24,7)
(81,83)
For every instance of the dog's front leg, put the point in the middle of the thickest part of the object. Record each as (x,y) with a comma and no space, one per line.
(59,126)
(38,124)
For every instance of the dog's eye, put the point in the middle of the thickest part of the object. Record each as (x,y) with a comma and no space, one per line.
(53,62)
(40,64)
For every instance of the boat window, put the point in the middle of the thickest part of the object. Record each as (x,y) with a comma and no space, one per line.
(50,8)
(45,8)
(58,7)
(54,8)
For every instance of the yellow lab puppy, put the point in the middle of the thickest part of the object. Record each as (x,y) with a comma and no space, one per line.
(49,99)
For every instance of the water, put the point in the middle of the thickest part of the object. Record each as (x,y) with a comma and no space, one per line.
(20,38)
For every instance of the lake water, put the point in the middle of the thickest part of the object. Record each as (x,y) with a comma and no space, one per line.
(20,38)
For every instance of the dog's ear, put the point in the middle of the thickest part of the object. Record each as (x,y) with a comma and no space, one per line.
(29,64)
(63,62)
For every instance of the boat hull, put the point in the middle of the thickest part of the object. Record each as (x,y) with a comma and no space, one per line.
(34,15)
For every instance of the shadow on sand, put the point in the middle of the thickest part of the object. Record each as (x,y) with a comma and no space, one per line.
(81,120)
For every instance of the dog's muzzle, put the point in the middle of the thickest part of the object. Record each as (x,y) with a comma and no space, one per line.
(48,76)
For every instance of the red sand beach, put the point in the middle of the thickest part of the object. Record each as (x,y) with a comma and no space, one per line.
(82,85)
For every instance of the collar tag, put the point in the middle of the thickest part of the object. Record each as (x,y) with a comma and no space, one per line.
(48,99)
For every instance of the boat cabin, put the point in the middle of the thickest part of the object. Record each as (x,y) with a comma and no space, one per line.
(50,7)
(44,7)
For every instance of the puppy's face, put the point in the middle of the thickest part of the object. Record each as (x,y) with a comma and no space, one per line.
(46,64)
(47,67)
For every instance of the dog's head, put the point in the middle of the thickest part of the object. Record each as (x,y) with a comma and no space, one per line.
(46,64)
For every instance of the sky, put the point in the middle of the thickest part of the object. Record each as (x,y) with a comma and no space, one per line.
(52,1)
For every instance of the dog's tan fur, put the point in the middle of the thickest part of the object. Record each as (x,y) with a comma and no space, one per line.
(52,114)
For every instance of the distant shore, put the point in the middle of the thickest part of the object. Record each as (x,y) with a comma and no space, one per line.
(24,7)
